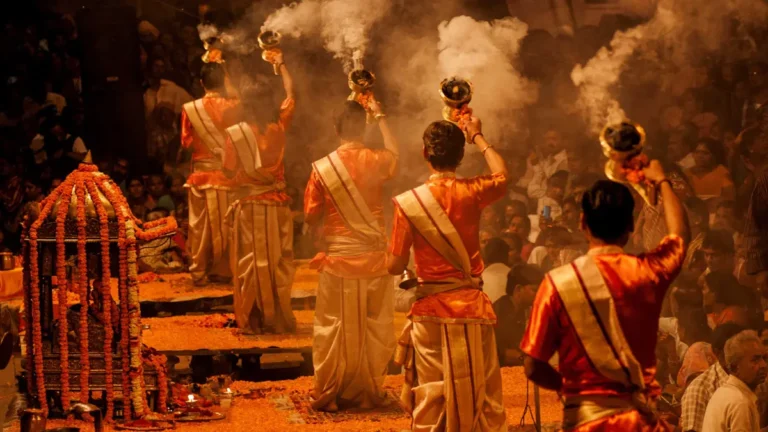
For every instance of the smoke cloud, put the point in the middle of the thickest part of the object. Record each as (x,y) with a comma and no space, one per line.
(676,37)
(343,25)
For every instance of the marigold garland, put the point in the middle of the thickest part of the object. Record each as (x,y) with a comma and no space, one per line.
(34,293)
(61,285)
(106,298)
(82,273)
(88,180)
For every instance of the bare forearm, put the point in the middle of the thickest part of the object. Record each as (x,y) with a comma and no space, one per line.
(674,213)
(396,265)
(390,140)
(492,157)
(287,81)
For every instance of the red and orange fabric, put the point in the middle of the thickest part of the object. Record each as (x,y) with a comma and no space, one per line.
(271,144)
(219,109)
(369,170)
(463,201)
(638,285)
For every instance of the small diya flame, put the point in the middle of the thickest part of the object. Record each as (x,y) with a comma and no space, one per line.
(191,398)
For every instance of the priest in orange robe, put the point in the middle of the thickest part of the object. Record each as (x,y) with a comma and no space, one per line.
(203,124)
(448,349)
(600,314)
(261,233)
(353,329)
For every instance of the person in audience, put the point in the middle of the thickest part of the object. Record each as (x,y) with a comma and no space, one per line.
(490,220)
(700,390)
(554,195)
(695,333)
(494,276)
(571,216)
(520,226)
(550,157)
(515,249)
(512,311)
(161,255)
(159,192)
(698,220)
(514,208)
(161,90)
(485,237)
(732,407)
(709,178)
(679,148)
(138,199)
(725,300)
(718,251)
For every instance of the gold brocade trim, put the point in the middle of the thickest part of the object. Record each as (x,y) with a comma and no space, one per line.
(206,165)
(209,186)
(440,320)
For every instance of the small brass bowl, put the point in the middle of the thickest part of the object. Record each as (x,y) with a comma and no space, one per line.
(269,39)
(456,92)
(361,80)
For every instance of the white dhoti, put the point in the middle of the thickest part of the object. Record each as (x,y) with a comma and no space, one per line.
(261,259)
(353,340)
(452,377)
(208,234)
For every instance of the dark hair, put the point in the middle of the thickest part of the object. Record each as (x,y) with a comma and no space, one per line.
(715,147)
(164,211)
(608,210)
(526,221)
(694,321)
(719,240)
(727,289)
(258,103)
(212,76)
(722,333)
(558,235)
(521,208)
(496,251)
(349,120)
(523,274)
(697,206)
(443,145)
(517,243)
(748,137)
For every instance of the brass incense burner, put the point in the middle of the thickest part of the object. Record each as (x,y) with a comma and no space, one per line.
(623,145)
(361,83)
(269,42)
(456,94)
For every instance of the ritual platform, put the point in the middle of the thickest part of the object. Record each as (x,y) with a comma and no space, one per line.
(282,406)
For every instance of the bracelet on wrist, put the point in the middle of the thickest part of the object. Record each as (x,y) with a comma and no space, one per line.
(485,149)
(472,141)
(379,116)
(664,180)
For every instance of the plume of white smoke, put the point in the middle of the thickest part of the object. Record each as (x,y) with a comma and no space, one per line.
(344,25)
(484,53)
(295,19)
(207,31)
(679,31)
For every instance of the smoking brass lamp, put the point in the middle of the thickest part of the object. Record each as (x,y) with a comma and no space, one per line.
(361,82)
(456,94)
(269,42)
(621,143)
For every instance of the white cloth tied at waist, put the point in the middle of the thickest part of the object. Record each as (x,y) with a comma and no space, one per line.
(340,246)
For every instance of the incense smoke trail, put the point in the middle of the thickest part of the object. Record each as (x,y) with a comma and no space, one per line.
(680,32)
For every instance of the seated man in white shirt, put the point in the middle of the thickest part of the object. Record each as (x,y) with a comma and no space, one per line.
(733,406)
(496,256)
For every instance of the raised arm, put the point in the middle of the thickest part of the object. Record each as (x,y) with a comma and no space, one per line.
(674,212)
(474,132)
(390,141)
(287,78)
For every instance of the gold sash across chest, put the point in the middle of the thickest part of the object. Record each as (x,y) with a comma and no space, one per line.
(347,199)
(428,218)
(204,126)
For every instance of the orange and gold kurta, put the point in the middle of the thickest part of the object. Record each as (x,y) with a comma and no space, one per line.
(369,170)
(271,144)
(219,109)
(638,285)
(463,200)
